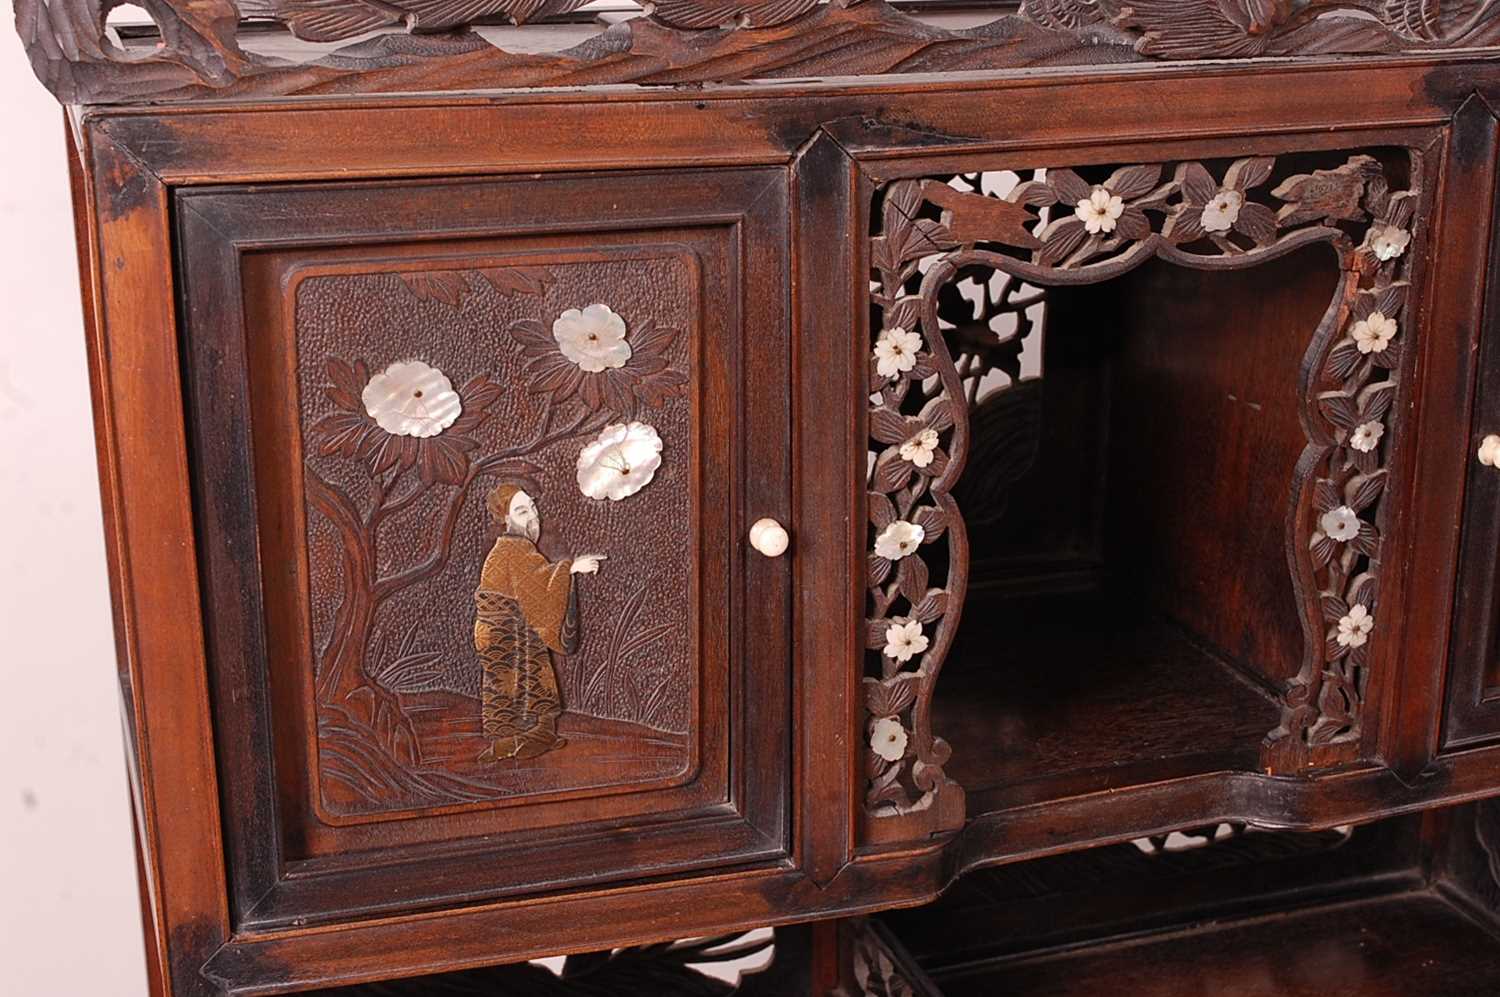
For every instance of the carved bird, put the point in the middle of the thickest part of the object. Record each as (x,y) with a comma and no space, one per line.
(333,20)
(702,14)
(972,218)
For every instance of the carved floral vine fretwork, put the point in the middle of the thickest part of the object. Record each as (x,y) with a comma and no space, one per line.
(431,44)
(1053,227)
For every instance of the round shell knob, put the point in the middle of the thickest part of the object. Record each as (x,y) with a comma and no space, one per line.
(769,537)
(1489,451)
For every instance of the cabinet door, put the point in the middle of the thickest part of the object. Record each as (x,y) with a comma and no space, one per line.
(1473,712)
(475,464)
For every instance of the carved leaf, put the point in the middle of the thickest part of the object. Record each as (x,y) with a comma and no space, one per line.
(1131,182)
(518,280)
(1060,239)
(447,286)
(889,426)
(729,13)
(932,521)
(1198,187)
(1339,409)
(341,433)
(1365,490)
(890,696)
(1246,173)
(1068,187)
(933,605)
(911,579)
(891,471)
(1258,222)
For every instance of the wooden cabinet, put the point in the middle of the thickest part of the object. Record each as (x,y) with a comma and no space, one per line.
(573,516)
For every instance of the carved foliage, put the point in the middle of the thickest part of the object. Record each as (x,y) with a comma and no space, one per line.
(398,460)
(1350,392)
(428,45)
(1051,227)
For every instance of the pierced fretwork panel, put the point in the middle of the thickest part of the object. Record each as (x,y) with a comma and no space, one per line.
(965,270)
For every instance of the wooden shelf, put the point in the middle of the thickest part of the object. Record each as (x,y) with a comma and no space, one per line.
(1359,913)
(1410,945)
(1052,698)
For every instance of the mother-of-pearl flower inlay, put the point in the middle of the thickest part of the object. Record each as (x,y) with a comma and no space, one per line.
(1366,436)
(1341,524)
(619,462)
(888,739)
(1220,214)
(904,640)
(1100,211)
(896,351)
(1373,333)
(411,398)
(921,448)
(1388,242)
(1355,627)
(899,539)
(593,338)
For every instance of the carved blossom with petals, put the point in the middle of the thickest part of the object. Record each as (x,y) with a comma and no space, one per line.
(411,398)
(619,462)
(593,338)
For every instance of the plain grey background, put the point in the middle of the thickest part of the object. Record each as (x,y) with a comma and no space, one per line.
(67,872)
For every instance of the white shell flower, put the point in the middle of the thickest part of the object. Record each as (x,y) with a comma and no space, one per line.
(896,351)
(888,739)
(594,338)
(899,539)
(903,641)
(1220,214)
(620,462)
(1340,524)
(411,398)
(1373,333)
(1388,242)
(1099,211)
(1355,627)
(1366,436)
(919,449)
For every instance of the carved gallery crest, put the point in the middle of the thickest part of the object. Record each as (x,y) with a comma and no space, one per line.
(410,45)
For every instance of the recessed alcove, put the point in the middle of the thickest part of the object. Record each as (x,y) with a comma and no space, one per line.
(1130,614)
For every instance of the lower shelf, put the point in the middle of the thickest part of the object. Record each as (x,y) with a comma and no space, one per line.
(1362,913)
(1411,945)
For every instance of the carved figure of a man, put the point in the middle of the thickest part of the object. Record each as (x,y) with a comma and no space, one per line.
(526,610)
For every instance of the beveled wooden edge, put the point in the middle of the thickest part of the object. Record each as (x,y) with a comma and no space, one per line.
(282,961)
(427,136)
(133,360)
(1472,151)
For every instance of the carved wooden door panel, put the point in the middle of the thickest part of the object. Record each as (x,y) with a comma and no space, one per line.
(476,462)
(1473,682)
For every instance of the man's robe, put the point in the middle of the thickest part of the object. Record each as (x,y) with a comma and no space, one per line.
(525,609)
